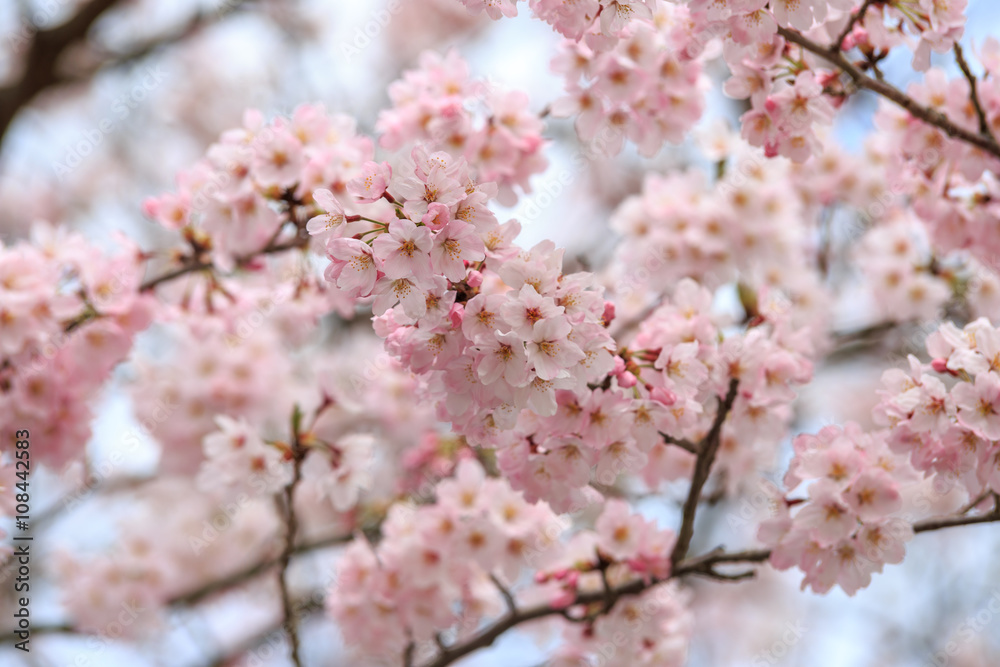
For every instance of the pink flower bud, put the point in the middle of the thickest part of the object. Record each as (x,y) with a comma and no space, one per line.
(626,380)
(475,279)
(609,313)
(664,396)
(619,366)
(456,315)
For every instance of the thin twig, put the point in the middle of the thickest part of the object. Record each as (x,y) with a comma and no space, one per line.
(853,21)
(508,597)
(984,125)
(191,265)
(291,527)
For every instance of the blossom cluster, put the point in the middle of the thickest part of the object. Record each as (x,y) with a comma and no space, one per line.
(683,360)
(897,261)
(643,85)
(952,183)
(845,530)
(493,330)
(172,542)
(653,628)
(68,315)
(431,571)
(238,198)
(946,415)
(440,106)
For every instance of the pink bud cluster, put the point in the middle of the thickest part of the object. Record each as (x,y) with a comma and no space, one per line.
(68,315)
(442,107)
(946,415)
(845,529)
(431,571)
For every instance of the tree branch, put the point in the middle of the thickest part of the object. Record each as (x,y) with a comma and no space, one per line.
(704,565)
(984,125)
(193,264)
(679,442)
(40,64)
(890,92)
(706,451)
(298,453)
(139,50)
(857,16)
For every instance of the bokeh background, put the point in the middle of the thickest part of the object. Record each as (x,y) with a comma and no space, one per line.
(158,82)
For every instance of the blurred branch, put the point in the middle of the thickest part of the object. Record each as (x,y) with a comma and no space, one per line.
(303,607)
(149,46)
(41,61)
(984,125)
(197,595)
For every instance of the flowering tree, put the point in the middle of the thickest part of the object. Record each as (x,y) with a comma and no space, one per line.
(480,468)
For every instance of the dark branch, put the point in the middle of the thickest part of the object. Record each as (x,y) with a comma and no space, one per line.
(706,452)
(298,453)
(984,125)
(41,62)
(680,442)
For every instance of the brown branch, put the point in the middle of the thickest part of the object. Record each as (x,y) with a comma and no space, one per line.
(851,22)
(298,453)
(707,449)
(140,50)
(41,62)
(959,520)
(984,125)
(700,565)
(890,92)
(197,595)
(704,565)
